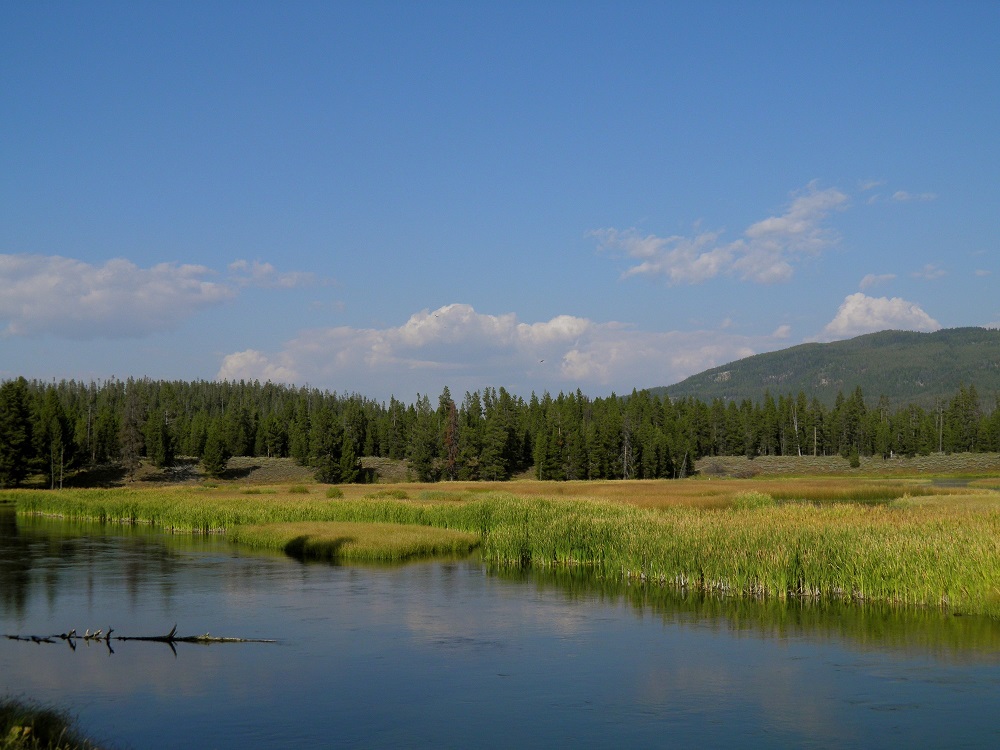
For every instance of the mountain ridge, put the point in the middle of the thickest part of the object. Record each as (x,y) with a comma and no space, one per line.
(907,367)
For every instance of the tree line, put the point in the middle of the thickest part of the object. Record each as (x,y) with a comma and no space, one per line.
(56,428)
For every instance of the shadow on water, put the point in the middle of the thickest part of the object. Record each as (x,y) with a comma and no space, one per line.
(304,548)
(866,626)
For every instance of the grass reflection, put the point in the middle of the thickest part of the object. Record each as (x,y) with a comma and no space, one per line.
(866,626)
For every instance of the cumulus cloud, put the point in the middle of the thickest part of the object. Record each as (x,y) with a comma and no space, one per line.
(860,314)
(766,253)
(41,294)
(872,279)
(930,272)
(467,350)
(71,298)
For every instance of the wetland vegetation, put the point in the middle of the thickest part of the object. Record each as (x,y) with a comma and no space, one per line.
(30,726)
(900,542)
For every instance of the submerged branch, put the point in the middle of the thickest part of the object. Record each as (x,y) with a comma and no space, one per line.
(105,637)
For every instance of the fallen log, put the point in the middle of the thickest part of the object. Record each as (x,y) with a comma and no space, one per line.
(170,638)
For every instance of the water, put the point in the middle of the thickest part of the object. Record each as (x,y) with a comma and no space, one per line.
(449,654)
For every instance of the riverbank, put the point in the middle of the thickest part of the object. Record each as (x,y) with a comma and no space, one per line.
(904,543)
(29,726)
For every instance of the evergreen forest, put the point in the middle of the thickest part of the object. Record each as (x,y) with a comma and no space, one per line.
(54,429)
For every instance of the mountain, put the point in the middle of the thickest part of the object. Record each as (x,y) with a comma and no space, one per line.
(905,366)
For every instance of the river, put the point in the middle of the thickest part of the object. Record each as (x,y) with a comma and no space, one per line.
(452,654)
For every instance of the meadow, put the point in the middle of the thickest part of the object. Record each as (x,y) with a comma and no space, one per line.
(901,541)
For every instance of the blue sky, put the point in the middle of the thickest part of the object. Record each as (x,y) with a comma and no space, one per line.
(387,198)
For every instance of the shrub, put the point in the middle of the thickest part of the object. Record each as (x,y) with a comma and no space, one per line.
(298,489)
(334,493)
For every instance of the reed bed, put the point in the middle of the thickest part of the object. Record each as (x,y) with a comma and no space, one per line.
(333,541)
(940,550)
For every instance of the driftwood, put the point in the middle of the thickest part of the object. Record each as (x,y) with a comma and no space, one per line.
(101,636)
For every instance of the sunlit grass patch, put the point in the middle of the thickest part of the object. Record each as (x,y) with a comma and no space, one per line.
(751,500)
(356,541)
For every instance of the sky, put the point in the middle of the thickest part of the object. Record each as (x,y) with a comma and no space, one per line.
(387,198)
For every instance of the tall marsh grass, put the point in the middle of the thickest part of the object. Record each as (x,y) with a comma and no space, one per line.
(940,552)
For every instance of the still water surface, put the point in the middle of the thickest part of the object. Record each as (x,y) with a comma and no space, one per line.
(450,654)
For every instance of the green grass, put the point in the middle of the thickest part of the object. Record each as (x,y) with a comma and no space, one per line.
(393,494)
(26,726)
(931,550)
(332,540)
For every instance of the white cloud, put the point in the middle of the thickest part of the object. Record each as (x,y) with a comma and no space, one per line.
(782,332)
(872,279)
(66,297)
(466,350)
(983,272)
(70,298)
(259,274)
(254,361)
(930,272)
(865,185)
(902,196)
(860,314)
(765,254)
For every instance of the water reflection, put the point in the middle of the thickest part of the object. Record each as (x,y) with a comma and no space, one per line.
(869,626)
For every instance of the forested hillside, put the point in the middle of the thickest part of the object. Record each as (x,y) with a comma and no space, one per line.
(54,429)
(904,366)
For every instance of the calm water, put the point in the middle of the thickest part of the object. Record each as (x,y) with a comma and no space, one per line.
(448,654)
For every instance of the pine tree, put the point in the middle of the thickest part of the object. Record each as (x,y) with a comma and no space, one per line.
(132,423)
(160,444)
(422,451)
(15,432)
(215,457)
(349,462)
(326,442)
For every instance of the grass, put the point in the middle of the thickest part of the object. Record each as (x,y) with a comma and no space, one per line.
(26,726)
(326,540)
(890,541)
(933,465)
